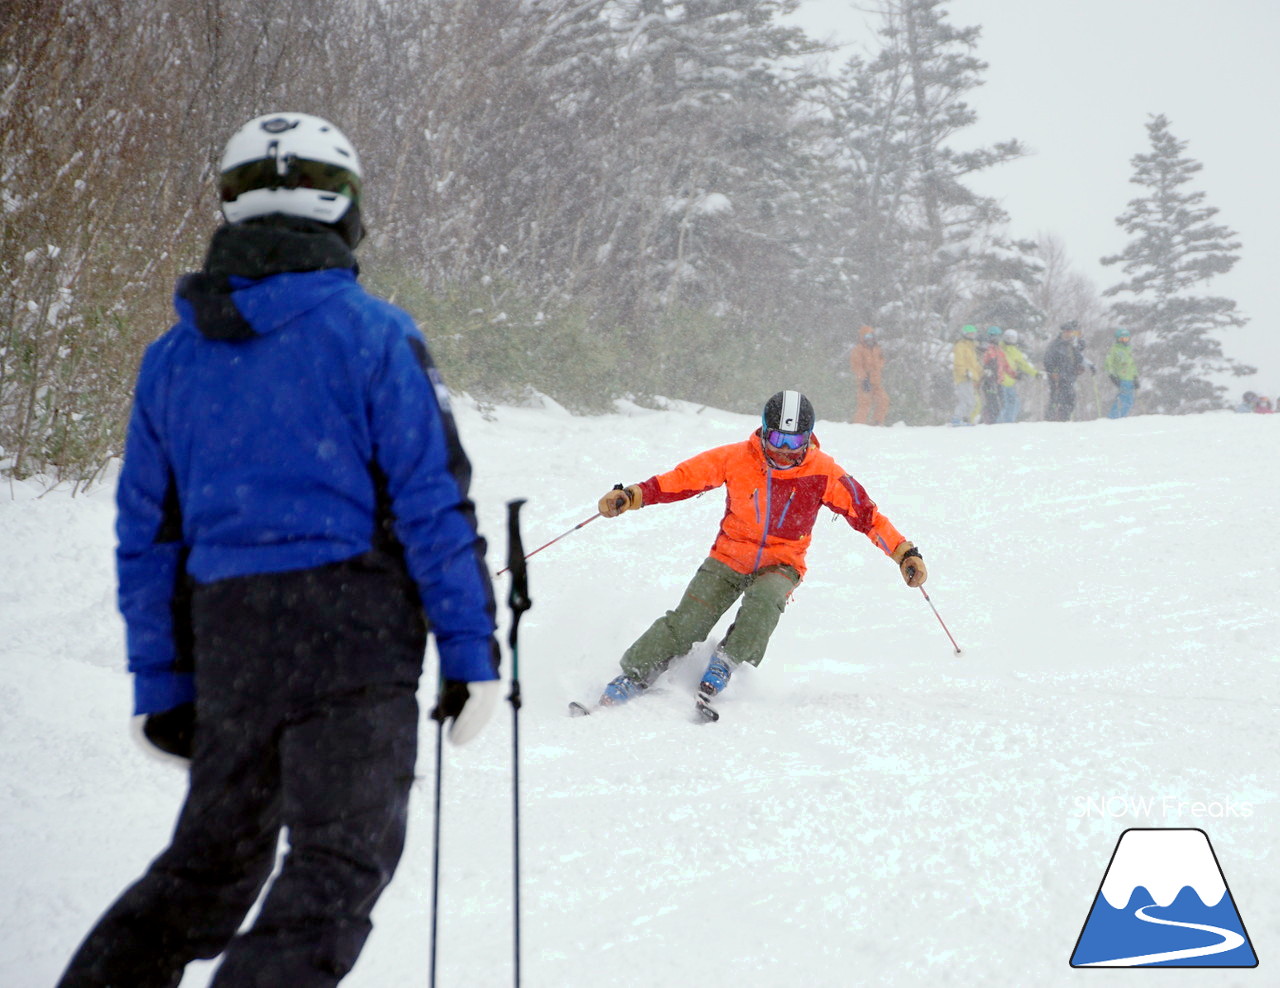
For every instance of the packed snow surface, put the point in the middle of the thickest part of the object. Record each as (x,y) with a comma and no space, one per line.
(871,809)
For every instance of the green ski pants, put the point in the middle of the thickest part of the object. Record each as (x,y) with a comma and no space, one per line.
(710,593)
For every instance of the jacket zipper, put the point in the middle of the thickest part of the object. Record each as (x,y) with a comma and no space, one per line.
(785,508)
(764,528)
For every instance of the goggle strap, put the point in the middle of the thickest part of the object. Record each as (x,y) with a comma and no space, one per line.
(265,173)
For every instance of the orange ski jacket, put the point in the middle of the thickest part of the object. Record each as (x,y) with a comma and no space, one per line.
(769,514)
(867,364)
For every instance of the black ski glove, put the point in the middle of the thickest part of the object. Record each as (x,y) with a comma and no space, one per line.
(468,705)
(172,731)
(866,384)
(1114,380)
(453,697)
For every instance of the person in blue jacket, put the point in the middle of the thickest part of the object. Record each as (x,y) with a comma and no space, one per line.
(293,498)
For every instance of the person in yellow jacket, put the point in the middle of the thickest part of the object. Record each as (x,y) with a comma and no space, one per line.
(1019,366)
(966,372)
(867,361)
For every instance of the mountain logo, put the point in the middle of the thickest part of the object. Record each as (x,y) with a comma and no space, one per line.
(1163,902)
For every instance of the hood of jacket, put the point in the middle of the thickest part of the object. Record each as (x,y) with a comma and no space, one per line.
(260,274)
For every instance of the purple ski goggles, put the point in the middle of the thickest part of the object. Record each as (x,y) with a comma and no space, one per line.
(786,440)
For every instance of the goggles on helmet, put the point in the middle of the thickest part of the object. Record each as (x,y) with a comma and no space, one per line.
(787,440)
(296,173)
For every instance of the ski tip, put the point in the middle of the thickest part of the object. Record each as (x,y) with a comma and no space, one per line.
(577,709)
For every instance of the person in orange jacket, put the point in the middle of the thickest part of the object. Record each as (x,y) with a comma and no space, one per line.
(775,480)
(867,361)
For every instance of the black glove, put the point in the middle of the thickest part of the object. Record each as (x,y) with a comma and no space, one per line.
(468,705)
(172,731)
(1135,384)
(453,697)
(1114,380)
(866,384)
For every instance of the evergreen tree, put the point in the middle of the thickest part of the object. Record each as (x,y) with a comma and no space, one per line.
(924,250)
(1175,247)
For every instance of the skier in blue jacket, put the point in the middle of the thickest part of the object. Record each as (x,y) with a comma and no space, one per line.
(293,498)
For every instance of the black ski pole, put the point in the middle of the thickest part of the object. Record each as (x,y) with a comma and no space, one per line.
(519,602)
(435,850)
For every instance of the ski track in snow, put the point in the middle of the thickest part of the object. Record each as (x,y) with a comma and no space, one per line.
(871,809)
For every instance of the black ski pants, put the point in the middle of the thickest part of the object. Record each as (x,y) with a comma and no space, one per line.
(1062,399)
(306,720)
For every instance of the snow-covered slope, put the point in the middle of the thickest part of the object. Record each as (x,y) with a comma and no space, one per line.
(871,809)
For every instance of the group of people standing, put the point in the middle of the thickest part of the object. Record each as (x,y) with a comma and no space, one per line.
(987,368)
(986,379)
(1254,402)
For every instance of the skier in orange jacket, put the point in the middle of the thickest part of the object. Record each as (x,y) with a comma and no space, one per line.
(775,480)
(867,361)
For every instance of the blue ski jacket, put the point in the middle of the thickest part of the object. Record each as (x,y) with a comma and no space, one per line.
(284,423)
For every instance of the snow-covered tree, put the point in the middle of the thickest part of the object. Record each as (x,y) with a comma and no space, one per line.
(923,249)
(1175,249)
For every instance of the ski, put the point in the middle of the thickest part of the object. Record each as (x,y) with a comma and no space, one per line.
(703,711)
(706,714)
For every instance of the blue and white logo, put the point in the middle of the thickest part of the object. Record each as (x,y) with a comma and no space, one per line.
(1163,902)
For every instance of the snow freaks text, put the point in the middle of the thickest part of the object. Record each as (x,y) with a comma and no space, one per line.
(1164,807)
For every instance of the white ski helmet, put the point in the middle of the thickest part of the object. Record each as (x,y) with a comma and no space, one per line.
(291,163)
(1011,336)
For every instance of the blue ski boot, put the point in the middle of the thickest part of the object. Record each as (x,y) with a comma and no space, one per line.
(716,678)
(619,690)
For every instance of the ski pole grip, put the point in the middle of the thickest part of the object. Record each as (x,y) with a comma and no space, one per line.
(626,497)
(518,599)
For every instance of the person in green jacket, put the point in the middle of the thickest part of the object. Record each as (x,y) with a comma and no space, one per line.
(1019,366)
(1123,372)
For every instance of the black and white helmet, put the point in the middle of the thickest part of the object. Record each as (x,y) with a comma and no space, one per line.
(788,411)
(786,427)
(290,163)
